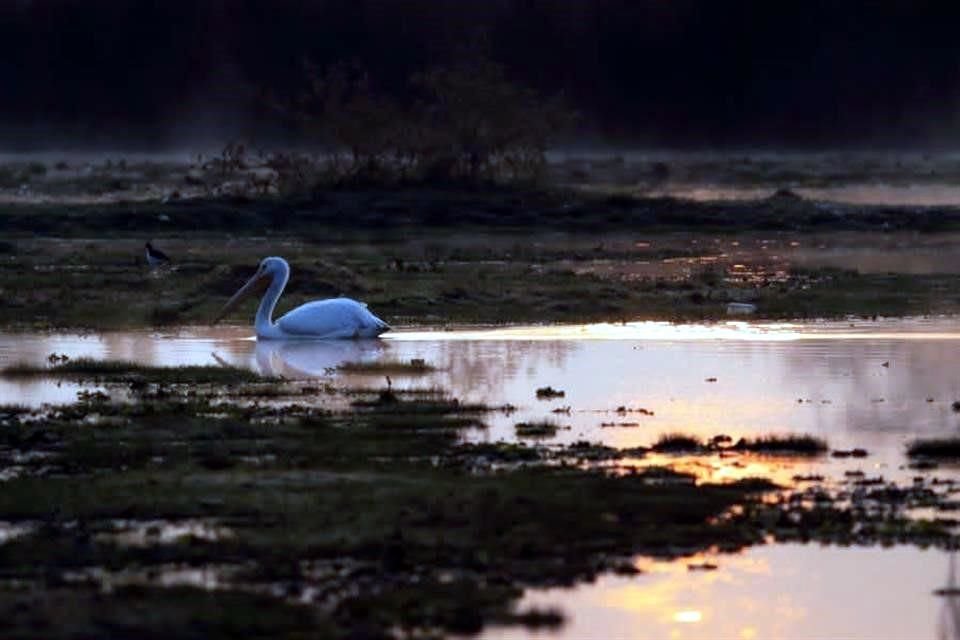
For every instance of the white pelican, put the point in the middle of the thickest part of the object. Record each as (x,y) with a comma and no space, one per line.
(155,257)
(320,319)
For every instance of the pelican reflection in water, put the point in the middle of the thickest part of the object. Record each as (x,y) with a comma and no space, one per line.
(304,359)
(317,320)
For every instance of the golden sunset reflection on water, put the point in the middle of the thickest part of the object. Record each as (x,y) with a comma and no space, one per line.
(714,468)
(787,592)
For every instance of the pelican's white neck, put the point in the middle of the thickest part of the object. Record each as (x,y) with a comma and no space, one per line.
(263,323)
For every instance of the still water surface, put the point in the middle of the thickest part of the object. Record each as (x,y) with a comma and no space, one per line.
(783,591)
(874,385)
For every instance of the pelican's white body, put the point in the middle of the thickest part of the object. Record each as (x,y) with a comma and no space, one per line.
(317,320)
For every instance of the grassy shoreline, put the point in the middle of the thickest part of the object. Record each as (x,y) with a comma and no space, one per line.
(432,257)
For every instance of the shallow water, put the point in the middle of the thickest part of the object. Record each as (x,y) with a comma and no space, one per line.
(736,378)
(874,385)
(783,591)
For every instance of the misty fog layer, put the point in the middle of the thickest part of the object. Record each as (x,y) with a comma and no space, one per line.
(679,73)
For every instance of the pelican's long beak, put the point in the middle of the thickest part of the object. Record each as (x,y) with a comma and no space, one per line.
(256,284)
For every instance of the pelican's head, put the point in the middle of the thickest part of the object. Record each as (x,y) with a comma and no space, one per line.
(268,269)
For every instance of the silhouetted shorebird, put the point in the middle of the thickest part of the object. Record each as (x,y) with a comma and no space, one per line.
(155,257)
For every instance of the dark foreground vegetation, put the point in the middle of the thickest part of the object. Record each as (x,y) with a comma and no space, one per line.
(156,509)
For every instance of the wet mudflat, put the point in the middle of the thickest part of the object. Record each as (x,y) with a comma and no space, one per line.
(329,488)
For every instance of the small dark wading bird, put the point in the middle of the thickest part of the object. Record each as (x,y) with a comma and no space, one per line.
(320,319)
(155,257)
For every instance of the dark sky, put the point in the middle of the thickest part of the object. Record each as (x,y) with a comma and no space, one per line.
(708,73)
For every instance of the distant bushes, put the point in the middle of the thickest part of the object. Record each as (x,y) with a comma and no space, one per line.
(465,123)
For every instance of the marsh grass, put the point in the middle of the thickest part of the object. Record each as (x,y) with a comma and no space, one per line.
(677,443)
(768,445)
(102,283)
(538,429)
(121,371)
(414,366)
(389,402)
(803,444)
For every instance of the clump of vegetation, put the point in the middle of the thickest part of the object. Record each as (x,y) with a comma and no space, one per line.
(466,124)
(36,169)
(934,448)
(849,453)
(788,444)
(769,444)
(540,429)
(477,125)
(677,443)
(548,393)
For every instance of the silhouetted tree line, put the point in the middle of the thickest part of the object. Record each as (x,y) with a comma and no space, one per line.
(645,71)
